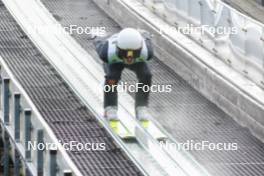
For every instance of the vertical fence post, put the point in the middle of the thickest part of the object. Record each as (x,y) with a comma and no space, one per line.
(201,12)
(53,162)
(1,81)
(6,95)
(262,39)
(17,111)
(40,154)
(27,114)
(6,154)
(244,29)
(17,164)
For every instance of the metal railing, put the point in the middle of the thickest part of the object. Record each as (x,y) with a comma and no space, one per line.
(234,37)
(25,134)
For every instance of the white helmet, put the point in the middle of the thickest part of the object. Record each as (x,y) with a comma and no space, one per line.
(129,39)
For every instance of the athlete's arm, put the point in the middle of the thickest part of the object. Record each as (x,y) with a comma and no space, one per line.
(150,48)
(102,50)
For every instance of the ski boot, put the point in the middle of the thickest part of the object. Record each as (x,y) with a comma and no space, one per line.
(111,116)
(142,116)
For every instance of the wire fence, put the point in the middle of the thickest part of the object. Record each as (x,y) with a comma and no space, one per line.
(234,37)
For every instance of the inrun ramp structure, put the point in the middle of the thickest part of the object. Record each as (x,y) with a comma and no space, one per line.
(68,117)
(184,112)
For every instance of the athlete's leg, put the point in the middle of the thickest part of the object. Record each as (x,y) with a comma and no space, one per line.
(144,78)
(112,76)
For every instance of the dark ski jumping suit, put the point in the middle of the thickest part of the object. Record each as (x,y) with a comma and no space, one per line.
(114,65)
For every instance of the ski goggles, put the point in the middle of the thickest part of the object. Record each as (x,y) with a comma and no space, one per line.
(128,56)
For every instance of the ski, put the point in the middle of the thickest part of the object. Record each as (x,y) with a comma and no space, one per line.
(121,130)
(153,130)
